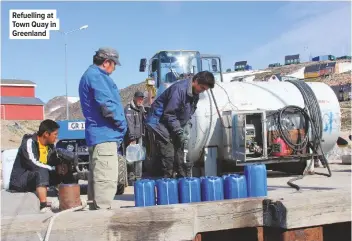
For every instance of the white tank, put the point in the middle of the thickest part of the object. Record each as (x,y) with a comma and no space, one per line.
(7,160)
(207,129)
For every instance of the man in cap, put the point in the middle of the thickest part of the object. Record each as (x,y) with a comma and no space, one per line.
(135,116)
(105,126)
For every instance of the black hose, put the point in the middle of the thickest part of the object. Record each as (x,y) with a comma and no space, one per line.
(312,105)
(302,144)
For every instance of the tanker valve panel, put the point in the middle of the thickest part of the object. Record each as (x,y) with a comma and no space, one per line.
(248,141)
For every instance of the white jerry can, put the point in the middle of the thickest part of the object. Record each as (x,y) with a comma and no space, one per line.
(8,159)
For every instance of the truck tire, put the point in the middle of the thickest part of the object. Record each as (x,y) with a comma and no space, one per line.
(122,179)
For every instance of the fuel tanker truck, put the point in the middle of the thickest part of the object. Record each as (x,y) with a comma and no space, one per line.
(280,124)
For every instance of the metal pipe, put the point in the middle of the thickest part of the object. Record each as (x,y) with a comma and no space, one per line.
(67,111)
(66,80)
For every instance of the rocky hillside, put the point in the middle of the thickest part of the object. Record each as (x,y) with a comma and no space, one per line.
(13,131)
(333,79)
(56,108)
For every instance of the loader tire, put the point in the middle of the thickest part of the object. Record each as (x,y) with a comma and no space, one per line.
(122,178)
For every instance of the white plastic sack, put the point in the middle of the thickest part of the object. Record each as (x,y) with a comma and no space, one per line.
(135,152)
(8,159)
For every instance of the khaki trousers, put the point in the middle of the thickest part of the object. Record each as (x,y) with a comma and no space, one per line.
(103,174)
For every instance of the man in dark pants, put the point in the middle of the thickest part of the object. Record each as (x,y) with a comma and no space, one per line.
(36,165)
(135,115)
(170,119)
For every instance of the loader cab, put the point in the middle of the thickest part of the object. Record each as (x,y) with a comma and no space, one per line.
(212,63)
(167,67)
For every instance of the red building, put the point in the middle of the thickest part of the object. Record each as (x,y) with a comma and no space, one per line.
(18,101)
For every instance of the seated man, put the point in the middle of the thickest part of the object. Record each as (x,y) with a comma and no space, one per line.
(36,165)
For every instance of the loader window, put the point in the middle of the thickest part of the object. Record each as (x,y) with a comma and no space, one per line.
(212,65)
(178,65)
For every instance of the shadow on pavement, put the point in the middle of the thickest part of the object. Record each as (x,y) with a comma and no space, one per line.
(124,197)
(270,188)
(346,170)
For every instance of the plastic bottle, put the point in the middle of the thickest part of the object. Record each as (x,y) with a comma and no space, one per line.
(135,152)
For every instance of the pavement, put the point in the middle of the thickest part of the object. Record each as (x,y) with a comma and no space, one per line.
(340,181)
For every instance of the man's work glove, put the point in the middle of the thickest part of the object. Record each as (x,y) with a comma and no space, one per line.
(180,138)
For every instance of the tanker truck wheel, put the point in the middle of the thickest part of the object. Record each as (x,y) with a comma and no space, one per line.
(122,179)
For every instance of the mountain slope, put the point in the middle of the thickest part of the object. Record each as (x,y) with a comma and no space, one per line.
(56,108)
(57,105)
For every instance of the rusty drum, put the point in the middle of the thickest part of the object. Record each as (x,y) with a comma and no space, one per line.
(69,196)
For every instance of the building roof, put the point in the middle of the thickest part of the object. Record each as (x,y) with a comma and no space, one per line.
(317,67)
(210,55)
(312,68)
(13,100)
(17,82)
(240,63)
(328,65)
(291,57)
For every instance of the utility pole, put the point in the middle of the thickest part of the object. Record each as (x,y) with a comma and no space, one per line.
(66,80)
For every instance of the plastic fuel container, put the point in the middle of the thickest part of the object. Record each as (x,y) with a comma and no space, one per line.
(235,186)
(189,190)
(167,191)
(144,193)
(282,148)
(212,188)
(256,180)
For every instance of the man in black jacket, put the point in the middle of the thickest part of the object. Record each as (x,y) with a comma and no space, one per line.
(36,165)
(134,112)
(135,115)
(170,121)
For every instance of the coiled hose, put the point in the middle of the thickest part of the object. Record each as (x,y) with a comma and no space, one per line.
(294,109)
(312,106)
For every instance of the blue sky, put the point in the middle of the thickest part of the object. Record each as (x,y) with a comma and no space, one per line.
(259,32)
